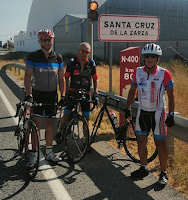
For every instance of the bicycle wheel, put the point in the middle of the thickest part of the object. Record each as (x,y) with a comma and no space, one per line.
(32,149)
(19,132)
(130,143)
(76,138)
(96,125)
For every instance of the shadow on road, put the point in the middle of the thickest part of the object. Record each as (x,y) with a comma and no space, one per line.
(107,173)
(11,173)
(12,86)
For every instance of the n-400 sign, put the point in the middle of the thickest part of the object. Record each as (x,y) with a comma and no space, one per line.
(130,59)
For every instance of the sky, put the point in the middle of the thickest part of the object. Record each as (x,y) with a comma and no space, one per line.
(14,16)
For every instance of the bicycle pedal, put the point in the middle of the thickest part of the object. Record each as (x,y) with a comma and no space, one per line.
(16,133)
(119,146)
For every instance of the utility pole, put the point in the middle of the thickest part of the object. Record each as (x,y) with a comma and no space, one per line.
(92,10)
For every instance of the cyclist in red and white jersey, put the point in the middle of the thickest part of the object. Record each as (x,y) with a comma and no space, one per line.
(152,81)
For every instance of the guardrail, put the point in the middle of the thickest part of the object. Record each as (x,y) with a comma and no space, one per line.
(179,130)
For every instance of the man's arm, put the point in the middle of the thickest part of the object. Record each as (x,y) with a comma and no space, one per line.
(27,81)
(67,85)
(61,83)
(171,102)
(95,86)
(131,96)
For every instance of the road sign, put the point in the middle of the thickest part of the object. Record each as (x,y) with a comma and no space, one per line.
(129,61)
(121,28)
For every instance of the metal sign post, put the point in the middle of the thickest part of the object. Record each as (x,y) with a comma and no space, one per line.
(90,37)
(110,66)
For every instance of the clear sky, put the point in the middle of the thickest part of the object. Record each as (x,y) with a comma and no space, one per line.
(13,17)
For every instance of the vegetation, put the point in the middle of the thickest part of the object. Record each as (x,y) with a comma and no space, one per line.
(178,176)
(8,45)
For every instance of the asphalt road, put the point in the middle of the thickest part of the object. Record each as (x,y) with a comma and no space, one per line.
(103,174)
(3,52)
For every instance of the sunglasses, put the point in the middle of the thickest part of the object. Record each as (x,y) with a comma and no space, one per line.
(150,56)
(46,40)
(83,51)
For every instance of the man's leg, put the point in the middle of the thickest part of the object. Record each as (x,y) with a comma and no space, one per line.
(142,149)
(162,153)
(62,124)
(63,121)
(49,134)
(38,121)
(163,156)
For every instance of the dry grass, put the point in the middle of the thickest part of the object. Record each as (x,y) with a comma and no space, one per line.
(178,176)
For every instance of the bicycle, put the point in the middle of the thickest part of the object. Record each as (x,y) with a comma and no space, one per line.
(125,136)
(27,136)
(75,133)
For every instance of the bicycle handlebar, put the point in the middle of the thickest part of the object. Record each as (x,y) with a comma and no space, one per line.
(107,97)
(30,104)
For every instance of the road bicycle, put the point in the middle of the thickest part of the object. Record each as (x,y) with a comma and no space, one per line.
(75,134)
(125,136)
(27,136)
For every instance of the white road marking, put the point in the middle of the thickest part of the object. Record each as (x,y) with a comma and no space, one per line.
(55,184)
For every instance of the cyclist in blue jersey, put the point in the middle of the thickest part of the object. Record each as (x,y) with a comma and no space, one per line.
(152,82)
(80,71)
(45,68)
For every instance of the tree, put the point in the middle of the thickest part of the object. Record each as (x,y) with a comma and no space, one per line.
(8,45)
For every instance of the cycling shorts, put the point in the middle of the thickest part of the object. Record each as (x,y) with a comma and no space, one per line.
(85,106)
(49,111)
(151,120)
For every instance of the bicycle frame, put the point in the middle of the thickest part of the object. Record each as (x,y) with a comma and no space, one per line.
(125,135)
(99,118)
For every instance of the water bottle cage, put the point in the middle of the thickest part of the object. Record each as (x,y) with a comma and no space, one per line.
(119,137)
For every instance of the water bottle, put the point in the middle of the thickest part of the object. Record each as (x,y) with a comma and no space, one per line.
(114,119)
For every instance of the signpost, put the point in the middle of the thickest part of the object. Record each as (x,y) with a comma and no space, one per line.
(121,28)
(129,61)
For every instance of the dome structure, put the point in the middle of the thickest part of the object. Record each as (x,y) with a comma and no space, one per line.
(45,14)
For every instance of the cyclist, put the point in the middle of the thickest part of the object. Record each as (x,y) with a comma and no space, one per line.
(45,66)
(152,81)
(80,70)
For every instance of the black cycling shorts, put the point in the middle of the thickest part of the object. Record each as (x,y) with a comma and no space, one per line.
(151,120)
(49,111)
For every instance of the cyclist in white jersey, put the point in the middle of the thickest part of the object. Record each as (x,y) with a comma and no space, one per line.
(152,81)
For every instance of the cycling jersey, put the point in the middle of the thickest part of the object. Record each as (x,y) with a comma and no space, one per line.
(151,88)
(80,79)
(45,70)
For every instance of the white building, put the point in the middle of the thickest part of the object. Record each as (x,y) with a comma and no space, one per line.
(46,14)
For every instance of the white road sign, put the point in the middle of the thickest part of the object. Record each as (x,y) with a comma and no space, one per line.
(119,28)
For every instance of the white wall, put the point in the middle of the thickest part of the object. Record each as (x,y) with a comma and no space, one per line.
(19,41)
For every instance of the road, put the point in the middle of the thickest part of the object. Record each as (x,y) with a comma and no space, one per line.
(3,52)
(103,174)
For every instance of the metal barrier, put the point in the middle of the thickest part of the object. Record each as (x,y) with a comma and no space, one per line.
(179,130)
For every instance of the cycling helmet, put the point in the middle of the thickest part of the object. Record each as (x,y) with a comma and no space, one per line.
(45,33)
(152,49)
